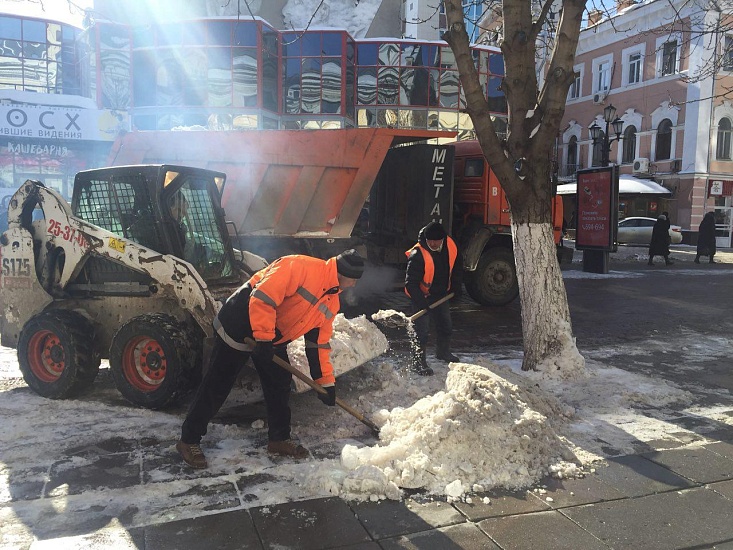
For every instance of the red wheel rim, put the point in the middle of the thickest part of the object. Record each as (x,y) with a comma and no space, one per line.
(144,363)
(46,355)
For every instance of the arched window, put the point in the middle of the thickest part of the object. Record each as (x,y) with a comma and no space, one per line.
(724,134)
(598,149)
(664,140)
(572,163)
(629,139)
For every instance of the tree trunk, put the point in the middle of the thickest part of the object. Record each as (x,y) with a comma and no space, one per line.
(549,345)
(521,162)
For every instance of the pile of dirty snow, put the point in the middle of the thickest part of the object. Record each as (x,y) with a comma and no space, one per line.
(481,432)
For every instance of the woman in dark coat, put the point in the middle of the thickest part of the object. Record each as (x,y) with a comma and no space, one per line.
(659,245)
(706,238)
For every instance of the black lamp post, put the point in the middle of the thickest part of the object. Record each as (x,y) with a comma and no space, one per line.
(609,115)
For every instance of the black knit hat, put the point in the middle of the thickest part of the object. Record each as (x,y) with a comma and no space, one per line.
(350,264)
(434,232)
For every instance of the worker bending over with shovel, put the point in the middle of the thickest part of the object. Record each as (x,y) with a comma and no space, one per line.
(292,297)
(433,270)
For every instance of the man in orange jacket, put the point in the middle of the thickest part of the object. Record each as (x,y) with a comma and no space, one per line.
(433,271)
(292,297)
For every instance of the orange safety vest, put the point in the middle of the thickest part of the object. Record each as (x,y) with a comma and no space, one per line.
(427,278)
(295,295)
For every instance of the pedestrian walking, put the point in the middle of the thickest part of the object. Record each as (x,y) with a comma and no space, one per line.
(659,245)
(292,297)
(706,238)
(433,271)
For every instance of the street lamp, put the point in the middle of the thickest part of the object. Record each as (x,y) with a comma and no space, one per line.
(609,115)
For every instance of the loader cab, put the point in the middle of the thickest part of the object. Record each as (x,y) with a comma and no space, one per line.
(170,209)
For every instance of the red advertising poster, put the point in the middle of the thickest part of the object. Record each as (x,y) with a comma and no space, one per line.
(597,196)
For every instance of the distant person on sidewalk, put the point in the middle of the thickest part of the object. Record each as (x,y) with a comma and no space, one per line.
(292,297)
(659,245)
(706,238)
(434,269)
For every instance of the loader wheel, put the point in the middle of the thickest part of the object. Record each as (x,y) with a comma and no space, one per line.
(56,355)
(154,360)
(494,283)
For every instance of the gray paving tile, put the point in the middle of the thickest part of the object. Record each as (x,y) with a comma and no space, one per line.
(573,492)
(226,531)
(545,530)
(217,495)
(636,476)
(698,464)
(691,518)
(725,488)
(111,471)
(722,448)
(389,518)
(501,503)
(466,536)
(309,525)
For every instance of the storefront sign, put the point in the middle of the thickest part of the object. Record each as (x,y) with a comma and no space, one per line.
(60,123)
(719,187)
(596,209)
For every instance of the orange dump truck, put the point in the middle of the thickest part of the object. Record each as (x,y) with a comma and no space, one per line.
(318,191)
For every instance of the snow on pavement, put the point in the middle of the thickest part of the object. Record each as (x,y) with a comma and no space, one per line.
(476,425)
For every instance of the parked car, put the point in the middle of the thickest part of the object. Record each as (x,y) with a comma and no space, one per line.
(639,231)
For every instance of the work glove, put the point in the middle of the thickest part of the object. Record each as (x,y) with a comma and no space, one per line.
(328,398)
(263,351)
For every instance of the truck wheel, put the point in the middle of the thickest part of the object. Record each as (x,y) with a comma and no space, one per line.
(494,283)
(154,360)
(55,354)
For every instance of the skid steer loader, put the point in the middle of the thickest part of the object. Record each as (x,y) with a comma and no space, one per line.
(132,270)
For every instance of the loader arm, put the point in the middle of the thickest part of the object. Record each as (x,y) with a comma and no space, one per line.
(61,231)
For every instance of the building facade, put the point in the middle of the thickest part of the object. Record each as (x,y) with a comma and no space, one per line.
(667,79)
(67,92)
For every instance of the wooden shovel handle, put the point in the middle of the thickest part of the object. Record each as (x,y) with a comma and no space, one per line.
(295,372)
(431,306)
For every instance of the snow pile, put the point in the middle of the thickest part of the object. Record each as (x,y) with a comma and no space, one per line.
(354,342)
(483,431)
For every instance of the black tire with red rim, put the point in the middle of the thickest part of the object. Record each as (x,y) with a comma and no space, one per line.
(154,360)
(56,354)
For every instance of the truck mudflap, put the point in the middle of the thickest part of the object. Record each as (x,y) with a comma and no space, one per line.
(354,343)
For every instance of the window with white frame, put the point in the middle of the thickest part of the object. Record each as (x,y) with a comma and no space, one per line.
(603,76)
(727,54)
(724,139)
(668,55)
(629,145)
(575,88)
(633,68)
(664,140)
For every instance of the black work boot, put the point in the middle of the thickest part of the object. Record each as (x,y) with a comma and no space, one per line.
(697,259)
(443,353)
(419,363)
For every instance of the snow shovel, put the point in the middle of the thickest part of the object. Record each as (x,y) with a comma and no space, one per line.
(400,319)
(295,372)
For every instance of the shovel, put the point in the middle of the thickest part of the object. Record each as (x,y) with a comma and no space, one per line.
(295,372)
(400,319)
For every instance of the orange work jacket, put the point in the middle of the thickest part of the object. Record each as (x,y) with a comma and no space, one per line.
(427,278)
(297,294)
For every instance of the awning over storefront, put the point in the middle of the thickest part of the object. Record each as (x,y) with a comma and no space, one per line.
(627,185)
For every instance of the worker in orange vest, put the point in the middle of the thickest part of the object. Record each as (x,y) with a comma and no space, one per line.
(433,271)
(292,297)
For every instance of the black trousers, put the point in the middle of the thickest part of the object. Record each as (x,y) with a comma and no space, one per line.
(443,325)
(218,381)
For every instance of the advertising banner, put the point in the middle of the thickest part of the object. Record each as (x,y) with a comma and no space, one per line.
(596,209)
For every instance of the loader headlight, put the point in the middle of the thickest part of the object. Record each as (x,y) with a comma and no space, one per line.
(169,177)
